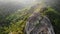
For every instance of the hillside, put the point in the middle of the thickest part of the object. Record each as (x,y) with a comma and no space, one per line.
(19,18)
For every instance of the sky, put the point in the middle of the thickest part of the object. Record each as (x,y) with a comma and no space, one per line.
(31,2)
(25,2)
(21,1)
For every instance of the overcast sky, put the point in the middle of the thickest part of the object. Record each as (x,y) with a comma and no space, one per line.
(21,1)
(31,2)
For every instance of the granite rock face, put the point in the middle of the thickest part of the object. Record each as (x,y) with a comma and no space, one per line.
(38,24)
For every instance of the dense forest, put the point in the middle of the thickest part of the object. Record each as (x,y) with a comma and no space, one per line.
(13,17)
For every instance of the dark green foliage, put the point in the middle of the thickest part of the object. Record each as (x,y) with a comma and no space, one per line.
(54,17)
(14,22)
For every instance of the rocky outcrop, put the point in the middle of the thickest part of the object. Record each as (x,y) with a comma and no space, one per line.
(38,24)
